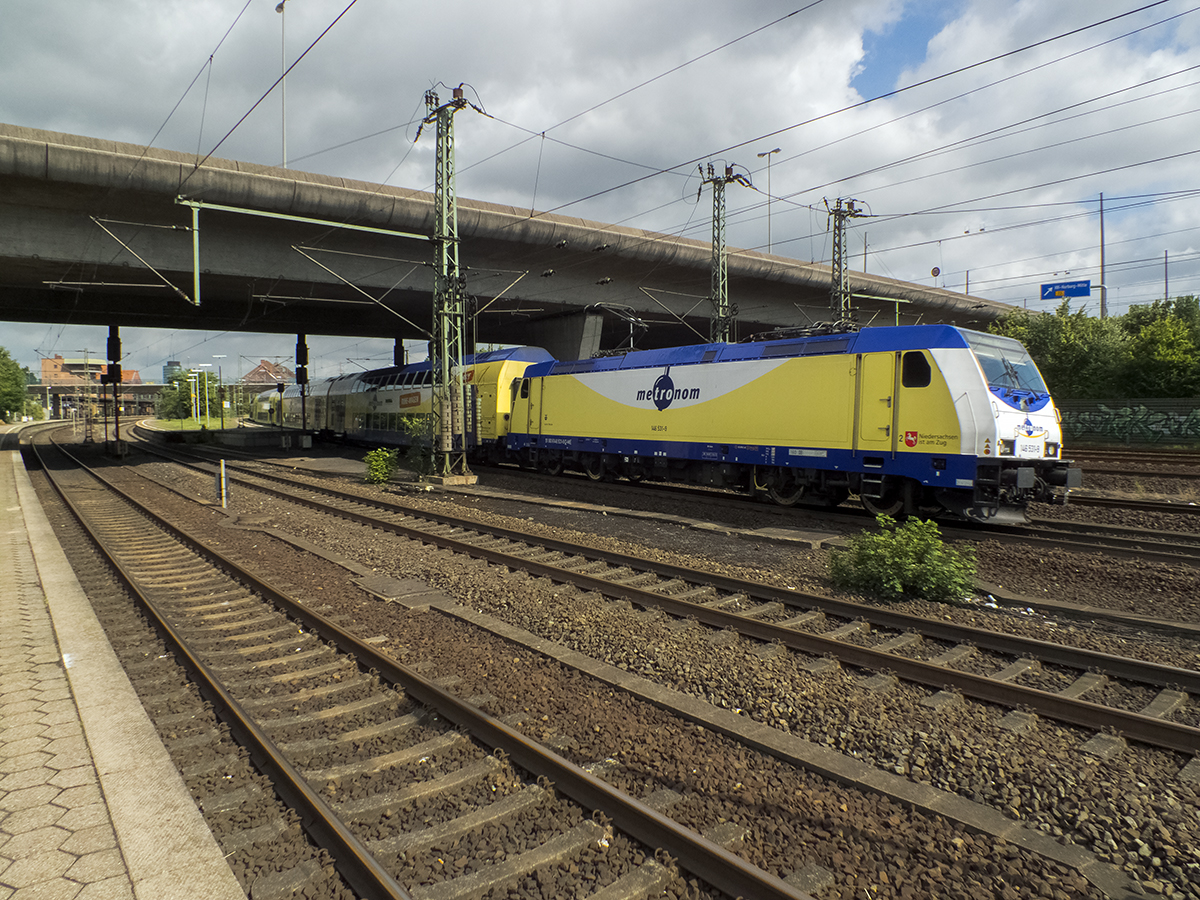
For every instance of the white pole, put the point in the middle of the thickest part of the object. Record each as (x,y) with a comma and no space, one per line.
(283,71)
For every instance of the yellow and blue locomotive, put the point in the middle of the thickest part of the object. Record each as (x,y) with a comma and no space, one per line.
(913,419)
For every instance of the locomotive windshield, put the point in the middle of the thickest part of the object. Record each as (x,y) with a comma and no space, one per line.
(1006,364)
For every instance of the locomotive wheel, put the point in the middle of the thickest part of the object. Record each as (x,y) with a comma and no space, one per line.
(788,495)
(553,466)
(890,504)
(594,467)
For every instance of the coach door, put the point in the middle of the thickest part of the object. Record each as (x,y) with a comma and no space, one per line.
(531,391)
(876,401)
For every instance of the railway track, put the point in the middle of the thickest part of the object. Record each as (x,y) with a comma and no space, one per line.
(850,518)
(1178,465)
(975,663)
(1099,456)
(353,740)
(1146,545)
(1051,677)
(1170,548)
(1162,507)
(1115,541)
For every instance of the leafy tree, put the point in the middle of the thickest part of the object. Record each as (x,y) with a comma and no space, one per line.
(1150,351)
(1164,354)
(175,399)
(12,388)
(1184,309)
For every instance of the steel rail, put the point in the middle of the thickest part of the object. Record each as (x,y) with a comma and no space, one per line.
(1147,729)
(351,857)
(696,854)
(1180,507)
(1113,545)
(1180,474)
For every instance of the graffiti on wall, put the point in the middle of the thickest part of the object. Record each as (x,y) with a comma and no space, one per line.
(1132,423)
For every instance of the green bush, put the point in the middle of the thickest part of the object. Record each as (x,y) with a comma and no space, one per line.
(904,562)
(419,459)
(381,464)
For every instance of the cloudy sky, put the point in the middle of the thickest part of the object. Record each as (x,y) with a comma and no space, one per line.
(979,134)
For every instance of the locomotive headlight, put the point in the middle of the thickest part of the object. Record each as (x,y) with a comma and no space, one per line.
(1005,448)
(1052,449)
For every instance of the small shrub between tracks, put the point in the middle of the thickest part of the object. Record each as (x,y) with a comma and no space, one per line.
(381,463)
(904,562)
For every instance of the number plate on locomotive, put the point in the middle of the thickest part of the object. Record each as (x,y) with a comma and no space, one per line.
(1029,449)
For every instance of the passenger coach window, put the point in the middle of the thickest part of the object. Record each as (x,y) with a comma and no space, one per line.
(915,372)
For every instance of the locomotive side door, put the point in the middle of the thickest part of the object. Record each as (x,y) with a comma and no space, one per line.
(533,422)
(876,401)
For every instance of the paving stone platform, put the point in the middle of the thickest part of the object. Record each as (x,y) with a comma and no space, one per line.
(91,806)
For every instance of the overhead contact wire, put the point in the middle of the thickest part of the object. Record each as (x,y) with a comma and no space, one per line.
(266,94)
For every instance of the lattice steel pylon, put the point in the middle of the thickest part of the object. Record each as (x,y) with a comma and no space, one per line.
(446,350)
(840,264)
(722,324)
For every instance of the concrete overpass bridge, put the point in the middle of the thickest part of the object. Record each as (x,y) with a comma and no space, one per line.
(104,233)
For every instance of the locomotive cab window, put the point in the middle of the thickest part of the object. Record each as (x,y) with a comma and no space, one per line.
(915,371)
(524,388)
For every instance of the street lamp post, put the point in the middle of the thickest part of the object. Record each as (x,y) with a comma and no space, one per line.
(86,400)
(220,389)
(204,377)
(283,72)
(768,154)
(192,383)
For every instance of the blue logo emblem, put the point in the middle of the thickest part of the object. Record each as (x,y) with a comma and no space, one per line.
(664,390)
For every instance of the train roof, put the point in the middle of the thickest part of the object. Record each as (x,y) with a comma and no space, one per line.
(869,340)
(518,354)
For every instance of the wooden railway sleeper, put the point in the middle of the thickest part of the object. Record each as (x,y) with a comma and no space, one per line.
(267,706)
(301,658)
(727,600)
(288,628)
(378,805)
(282,724)
(556,850)
(390,728)
(218,623)
(336,667)
(284,645)
(395,759)
(762,609)
(445,833)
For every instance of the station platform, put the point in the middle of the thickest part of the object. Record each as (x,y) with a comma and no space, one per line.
(91,806)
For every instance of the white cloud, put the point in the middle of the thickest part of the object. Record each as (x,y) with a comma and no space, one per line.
(115,70)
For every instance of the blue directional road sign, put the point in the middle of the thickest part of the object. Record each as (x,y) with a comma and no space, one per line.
(1066,289)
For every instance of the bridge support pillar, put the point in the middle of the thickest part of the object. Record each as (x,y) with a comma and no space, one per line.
(569,336)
